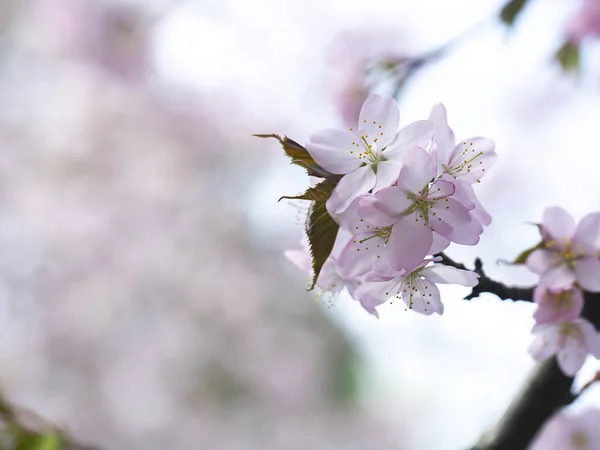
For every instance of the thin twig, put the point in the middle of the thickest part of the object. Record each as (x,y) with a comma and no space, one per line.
(486,284)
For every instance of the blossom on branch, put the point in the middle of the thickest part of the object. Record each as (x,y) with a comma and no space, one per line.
(389,201)
(370,156)
(557,305)
(463,164)
(416,209)
(569,253)
(417,289)
(571,342)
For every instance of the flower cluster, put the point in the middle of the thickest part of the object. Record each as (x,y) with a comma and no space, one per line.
(567,261)
(402,196)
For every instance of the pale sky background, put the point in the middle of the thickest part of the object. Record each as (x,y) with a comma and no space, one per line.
(451,376)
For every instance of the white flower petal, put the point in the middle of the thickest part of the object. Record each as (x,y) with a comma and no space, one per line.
(350,187)
(335,150)
(558,223)
(444,136)
(417,172)
(416,134)
(379,119)
(424,298)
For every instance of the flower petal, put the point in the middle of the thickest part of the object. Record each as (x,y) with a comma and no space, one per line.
(541,261)
(444,136)
(587,272)
(417,172)
(387,173)
(382,268)
(331,149)
(356,258)
(587,234)
(546,342)
(558,223)
(572,356)
(329,279)
(558,277)
(463,191)
(349,220)
(392,201)
(441,189)
(379,119)
(452,220)
(557,306)
(416,134)
(479,212)
(590,335)
(424,298)
(439,244)
(409,243)
(471,159)
(383,208)
(373,293)
(350,187)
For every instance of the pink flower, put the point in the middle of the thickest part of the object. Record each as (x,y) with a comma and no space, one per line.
(570,341)
(370,157)
(465,163)
(586,22)
(351,54)
(367,250)
(557,305)
(415,209)
(417,289)
(570,252)
(570,432)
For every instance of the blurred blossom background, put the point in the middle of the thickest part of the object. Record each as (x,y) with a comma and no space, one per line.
(145,302)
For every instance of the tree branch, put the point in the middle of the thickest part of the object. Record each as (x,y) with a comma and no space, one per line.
(547,388)
(486,284)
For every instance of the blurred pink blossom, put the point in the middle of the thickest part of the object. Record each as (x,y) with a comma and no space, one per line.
(586,22)
(570,251)
(570,432)
(557,305)
(570,341)
(351,54)
(112,35)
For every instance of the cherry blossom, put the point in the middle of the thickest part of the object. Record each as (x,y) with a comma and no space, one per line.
(350,55)
(368,249)
(416,209)
(557,305)
(586,22)
(417,289)
(464,163)
(369,157)
(569,253)
(571,341)
(564,431)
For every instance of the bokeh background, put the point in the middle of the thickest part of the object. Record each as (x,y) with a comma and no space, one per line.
(145,302)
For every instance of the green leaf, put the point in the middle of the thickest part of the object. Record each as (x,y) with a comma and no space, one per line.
(319,193)
(49,441)
(522,258)
(298,154)
(568,56)
(511,11)
(322,231)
